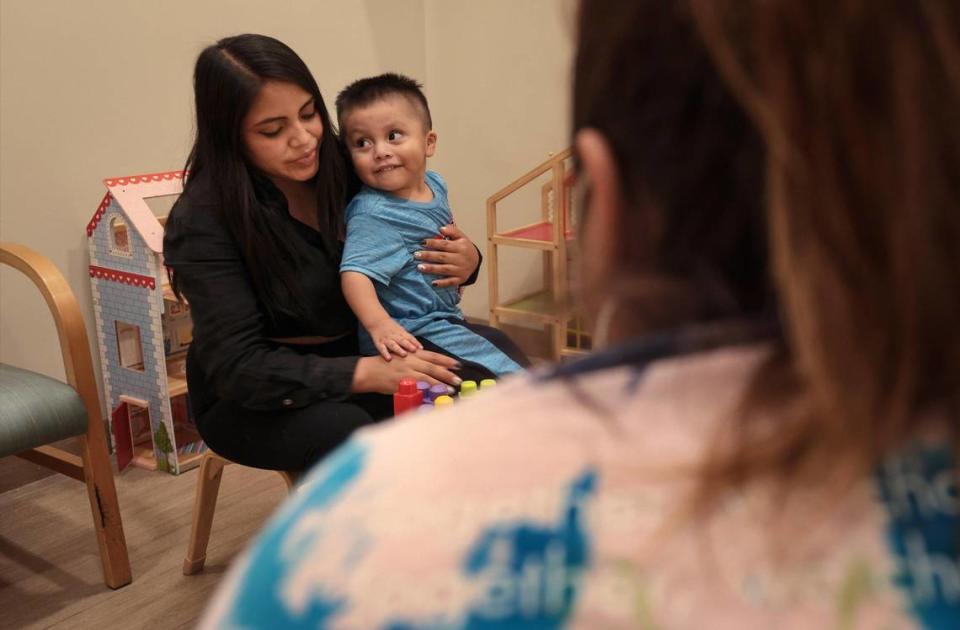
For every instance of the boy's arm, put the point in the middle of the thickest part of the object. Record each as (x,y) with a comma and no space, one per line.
(388,336)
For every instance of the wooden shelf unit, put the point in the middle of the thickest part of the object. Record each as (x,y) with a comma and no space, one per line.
(554,235)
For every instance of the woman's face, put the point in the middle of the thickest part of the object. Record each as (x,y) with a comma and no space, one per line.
(282,133)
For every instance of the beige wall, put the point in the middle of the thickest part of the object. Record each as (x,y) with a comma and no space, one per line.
(501,70)
(102,88)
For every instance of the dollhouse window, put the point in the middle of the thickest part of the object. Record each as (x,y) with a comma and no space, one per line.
(129,346)
(119,237)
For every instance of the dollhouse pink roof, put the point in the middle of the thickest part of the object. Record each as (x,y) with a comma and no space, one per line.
(130,193)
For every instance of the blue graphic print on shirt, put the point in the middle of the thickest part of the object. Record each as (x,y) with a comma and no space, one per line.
(919,488)
(531,573)
(258,603)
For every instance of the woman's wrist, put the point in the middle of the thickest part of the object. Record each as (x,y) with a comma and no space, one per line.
(361,375)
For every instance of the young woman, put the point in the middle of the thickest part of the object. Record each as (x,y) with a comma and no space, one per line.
(724,462)
(254,246)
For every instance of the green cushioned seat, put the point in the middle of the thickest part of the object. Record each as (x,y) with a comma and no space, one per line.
(36,410)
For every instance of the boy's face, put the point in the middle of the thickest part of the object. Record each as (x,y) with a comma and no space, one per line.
(389,145)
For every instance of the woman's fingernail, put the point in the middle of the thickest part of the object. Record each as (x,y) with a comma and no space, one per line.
(457,380)
(434,283)
(418,255)
(422,267)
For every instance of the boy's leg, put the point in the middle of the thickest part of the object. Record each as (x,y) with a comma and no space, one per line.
(471,371)
(485,352)
(498,338)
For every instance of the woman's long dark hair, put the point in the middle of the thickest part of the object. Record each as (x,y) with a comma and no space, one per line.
(227,78)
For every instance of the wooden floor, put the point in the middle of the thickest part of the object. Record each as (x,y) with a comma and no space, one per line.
(50,570)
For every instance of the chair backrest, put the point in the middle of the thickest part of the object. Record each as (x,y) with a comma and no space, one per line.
(71,330)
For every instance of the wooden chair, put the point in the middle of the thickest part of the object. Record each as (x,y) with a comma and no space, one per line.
(204,505)
(36,410)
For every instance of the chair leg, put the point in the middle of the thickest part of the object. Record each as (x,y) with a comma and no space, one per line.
(208,485)
(98,475)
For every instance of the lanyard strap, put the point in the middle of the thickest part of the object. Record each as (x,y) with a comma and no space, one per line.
(689,339)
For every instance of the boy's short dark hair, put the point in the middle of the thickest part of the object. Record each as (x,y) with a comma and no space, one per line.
(363,92)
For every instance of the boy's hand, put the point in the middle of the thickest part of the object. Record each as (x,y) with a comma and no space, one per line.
(390,337)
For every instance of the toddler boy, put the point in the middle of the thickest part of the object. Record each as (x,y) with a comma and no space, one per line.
(385,123)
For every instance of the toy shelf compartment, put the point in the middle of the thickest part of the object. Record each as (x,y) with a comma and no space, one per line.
(536,236)
(178,331)
(540,307)
(190,448)
(167,290)
(176,375)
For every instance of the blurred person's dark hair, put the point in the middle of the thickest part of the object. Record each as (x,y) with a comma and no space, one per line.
(690,165)
(860,106)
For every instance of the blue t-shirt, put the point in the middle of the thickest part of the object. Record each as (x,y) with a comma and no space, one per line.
(383,232)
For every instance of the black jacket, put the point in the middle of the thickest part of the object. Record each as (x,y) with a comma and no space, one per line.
(231,356)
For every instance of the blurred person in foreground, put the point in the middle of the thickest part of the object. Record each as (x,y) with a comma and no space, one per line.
(767,435)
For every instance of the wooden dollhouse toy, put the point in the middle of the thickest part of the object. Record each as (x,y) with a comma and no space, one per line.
(553,234)
(142,330)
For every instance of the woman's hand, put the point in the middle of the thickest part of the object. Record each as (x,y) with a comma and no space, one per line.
(456,258)
(374,374)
